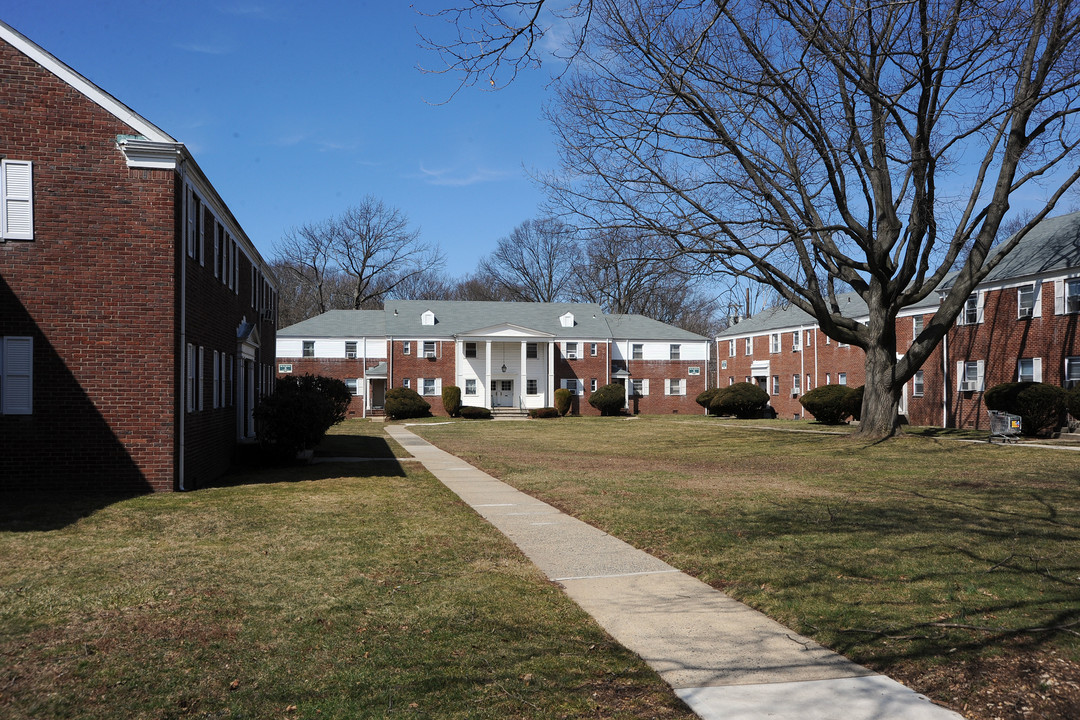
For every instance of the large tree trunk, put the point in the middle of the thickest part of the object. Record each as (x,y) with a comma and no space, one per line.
(881,393)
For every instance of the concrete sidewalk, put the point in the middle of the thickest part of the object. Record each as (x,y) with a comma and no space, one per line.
(723,659)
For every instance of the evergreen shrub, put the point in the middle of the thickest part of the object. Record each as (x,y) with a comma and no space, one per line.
(563,399)
(1039,405)
(451,400)
(829,404)
(544,412)
(299,412)
(704,399)
(404,403)
(609,399)
(743,400)
(470,412)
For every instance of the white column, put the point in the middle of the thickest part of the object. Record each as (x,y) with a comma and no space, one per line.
(550,400)
(521,379)
(487,373)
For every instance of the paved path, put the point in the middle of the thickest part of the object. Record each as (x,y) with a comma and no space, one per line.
(723,659)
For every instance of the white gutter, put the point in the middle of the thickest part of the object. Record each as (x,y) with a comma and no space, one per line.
(945,380)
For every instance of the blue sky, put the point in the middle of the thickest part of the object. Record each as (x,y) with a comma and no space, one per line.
(297,110)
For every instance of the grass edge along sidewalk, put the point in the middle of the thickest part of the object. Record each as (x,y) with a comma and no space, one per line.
(950,566)
(299,593)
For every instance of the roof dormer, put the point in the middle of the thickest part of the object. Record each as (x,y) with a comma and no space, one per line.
(567,320)
(428,318)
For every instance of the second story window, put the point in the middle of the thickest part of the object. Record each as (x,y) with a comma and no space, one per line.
(675,352)
(350,351)
(309,348)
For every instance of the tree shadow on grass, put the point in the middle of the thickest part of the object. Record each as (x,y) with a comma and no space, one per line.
(43,512)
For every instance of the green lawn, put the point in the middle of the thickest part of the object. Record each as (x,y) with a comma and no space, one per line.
(319,592)
(904,555)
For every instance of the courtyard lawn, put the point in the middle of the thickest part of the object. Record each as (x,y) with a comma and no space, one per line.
(313,592)
(948,565)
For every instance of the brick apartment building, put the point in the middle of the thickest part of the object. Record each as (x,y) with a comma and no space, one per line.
(134,311)
(510,357)
(1020,324)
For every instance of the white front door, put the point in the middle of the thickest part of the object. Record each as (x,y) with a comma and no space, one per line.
(502,393)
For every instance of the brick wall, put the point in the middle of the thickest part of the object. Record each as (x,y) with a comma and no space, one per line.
(415,366)
(340,368)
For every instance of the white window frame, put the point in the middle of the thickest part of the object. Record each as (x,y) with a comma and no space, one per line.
(675,386)
(841,379)
(406,348)
(970,375)
(17,375)
(429,349)
(429,383)
(16,200)
(637,351)
(574,385)
(406,383)
(796,385)
(470,386)
(674,351)
(774,343)
(639,387)
(305,346)
(1035,370)
(1023,313)
(350,354)
(593,350)
(353,384)
(731,348)
(918,384)
(1071,372)
(775,385)
(571,350)
(972,312)
(1067,296)
(749,346)
(796,341)
(532,387)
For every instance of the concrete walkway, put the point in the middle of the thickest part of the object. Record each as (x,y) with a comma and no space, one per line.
(723,659)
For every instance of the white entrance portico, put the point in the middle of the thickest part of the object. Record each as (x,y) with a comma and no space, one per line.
(506,366)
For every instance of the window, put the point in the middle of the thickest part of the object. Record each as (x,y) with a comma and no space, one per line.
(828,378)
(808,388)
(350,350)
(470,386)
(795,384)
(637,351)
(731,348)
(843,345)
(809,338)
(973,310)
(16,375)
(775,384)
(309,348)
(353,385)
(190,378)
(916,326)
(731,380)
(592,385)
(429,348)
(1029,370)
(841,378)
(430,386)
(674,352)
(749,349)
(200,380)
(592,349)
(639,387)
(216,388)
(774,343)
(530,386)
(16,200)
(406,383)
(1025,301)
(470,349)
(530,351)
(428,318)
(969,376)
(571,351)
(1070,294)
(1072,371)
(795,344)
(575,386)
(676,387)
(917,384)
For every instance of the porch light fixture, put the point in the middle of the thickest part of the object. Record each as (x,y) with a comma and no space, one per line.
(504,367)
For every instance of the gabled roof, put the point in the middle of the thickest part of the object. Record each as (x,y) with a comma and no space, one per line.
(339,323)
(1053,244)
(639,327)
(458,317)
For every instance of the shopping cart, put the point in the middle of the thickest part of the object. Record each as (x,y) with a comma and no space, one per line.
(1004,426)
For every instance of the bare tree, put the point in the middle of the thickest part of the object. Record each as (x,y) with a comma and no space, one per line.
(369,249)
(812,145)
(537,262)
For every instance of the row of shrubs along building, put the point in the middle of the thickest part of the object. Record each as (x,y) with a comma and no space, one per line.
(510,357)
(137,319)
(1020,325)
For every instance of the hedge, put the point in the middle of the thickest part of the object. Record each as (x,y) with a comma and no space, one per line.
(475,413)
(1039,405)
(829,404)
(544,412)
(451,400)
(299,412)
(403,403)
(743,400)
(563,398)
(705,398)
(609,399)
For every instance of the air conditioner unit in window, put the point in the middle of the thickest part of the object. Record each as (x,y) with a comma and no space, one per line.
(430,355)
(571,356)
(1026,313)
(967,386)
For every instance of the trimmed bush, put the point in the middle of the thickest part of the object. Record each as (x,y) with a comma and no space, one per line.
(854,402)
(544,412)
(829,404)
(475,413)
(403,403)
(298,414)
(705,399)
(743,400)
(609,399)
(563,398)
(451,400)
(1039,405)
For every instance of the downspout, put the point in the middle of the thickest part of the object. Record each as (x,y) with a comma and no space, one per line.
(367,387)
(182,394)
(945,380)
(817,380)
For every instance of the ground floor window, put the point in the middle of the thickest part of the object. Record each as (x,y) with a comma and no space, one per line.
(676,387)
(16,375)
(470,387)
(530,386)
(1029,370)
(353,385)
(429,386)
(775,384)
(795,384)
(841,378)
(1072,371)
(917,384)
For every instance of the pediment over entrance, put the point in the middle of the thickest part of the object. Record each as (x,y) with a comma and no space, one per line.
(504,330)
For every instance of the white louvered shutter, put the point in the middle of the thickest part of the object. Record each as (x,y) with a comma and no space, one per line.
(1036,369)
(17,218)
(980,379)
(1036,310)
(1059,297)
(980,305)
(17,380)
(959,375)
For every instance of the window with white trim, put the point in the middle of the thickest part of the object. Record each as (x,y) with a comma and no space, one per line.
(16,200)
(1025,301)
(916,326)
(592,349)
(470,349)
(969,375)
(731,380)
(809,338)
(841,378)
(808,388)
(775,384)
(796,343)
(972,314)
(639,387)
(575,386)
(731,348)
(531,351)
(676,387)
(531,386)
(828,378)
(354,386)
(429,386)
(1072,372)
(674,352)
(429,348)
(350,349)
(774,343)
(917,384)
(796,387)
(16,375)
(637,351)
(1072,295)
(470,386)
(308,348)
(216,385)
(406,383)
(190,378)
(592,385)
(571,351)
(406,348)
(1029,370)
(749,343)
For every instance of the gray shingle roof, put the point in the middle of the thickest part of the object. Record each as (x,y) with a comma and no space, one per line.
(639,327)
(1053,244)
(339,323)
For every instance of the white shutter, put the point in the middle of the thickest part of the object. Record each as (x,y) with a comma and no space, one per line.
(1059,297)
(959,375)
(667,387)
(17,214)
(980,377)
(17,376)
(1036,310)
(682,387)
(980,304)
(438,386)
(644,387)
(1036,369)
(217,379)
